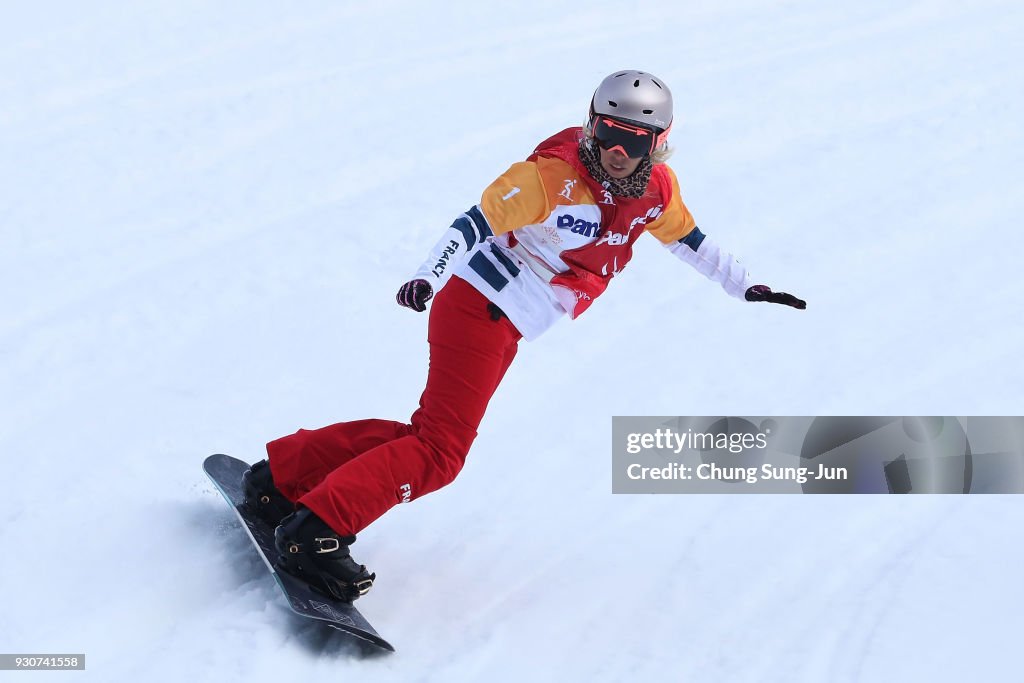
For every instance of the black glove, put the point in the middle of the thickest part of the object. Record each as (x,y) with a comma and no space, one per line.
(415,294)
(765,293)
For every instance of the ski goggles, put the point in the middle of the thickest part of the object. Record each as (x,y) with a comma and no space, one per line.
(632,140)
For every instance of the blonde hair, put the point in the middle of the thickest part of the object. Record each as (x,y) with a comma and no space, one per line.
(658,156)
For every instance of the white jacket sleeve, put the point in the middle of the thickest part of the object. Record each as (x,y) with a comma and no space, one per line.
(468,230)
(701,252)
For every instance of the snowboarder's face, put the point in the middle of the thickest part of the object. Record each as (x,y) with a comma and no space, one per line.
(617,164)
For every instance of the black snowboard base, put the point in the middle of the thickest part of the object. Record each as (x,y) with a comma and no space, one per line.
(226,474)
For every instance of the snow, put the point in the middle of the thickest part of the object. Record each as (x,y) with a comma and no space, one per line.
(206,210)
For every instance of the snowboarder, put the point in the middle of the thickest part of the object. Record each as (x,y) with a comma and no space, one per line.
(545,240)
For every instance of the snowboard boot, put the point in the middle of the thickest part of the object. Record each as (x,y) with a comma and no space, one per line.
(310,550)
(262,497)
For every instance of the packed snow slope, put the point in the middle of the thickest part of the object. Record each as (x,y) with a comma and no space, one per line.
(206,210)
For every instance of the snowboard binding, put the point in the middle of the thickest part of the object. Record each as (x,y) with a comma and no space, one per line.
(311,551)
(262,496)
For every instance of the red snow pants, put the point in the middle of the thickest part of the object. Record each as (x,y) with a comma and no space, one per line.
(351,473)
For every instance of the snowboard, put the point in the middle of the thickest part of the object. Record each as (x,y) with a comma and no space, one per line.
(226,474)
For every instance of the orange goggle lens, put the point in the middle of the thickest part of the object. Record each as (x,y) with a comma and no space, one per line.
(634,141)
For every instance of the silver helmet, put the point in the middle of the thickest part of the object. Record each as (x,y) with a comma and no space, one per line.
(634,96)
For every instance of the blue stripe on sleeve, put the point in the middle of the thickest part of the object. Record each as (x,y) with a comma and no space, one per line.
(504,260)
(487,271)
(481,223)
(463,225)
(694,239)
